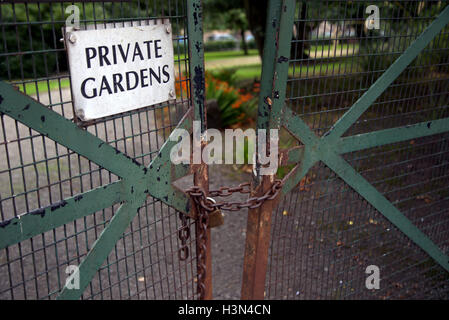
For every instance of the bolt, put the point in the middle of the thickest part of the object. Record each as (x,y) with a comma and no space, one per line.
(171,93)
(168,29)
(72,37)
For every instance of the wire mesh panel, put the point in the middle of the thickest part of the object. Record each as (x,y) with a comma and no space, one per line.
(325,234)
(37,172)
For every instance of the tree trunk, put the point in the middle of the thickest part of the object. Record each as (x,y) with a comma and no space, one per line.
(244,44)
(360,25)
(298,49)
(256,13)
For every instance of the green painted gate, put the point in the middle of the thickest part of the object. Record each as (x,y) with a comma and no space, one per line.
(363,116)
(365,178)
(98,194)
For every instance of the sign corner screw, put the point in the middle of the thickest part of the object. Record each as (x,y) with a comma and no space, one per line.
(72,37)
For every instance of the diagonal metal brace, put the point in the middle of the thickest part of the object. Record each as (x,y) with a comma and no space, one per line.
(137,183)
(161,172)
(319,149)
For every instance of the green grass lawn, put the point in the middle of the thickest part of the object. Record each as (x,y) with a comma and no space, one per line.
(246,72)
(221,55)
(43,86)
(251,72)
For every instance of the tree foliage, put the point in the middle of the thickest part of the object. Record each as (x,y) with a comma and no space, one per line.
(226,14)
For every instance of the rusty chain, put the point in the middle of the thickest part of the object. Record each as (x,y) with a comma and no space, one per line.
(203,207)
(251,203)
(202,224)
(183,235)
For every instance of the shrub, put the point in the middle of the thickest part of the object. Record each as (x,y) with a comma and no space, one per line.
(227,98)
(227,75)
(237,106)
(380,54)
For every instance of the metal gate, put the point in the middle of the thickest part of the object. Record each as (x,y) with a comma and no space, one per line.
(366,181)
(95,195)
(364,184)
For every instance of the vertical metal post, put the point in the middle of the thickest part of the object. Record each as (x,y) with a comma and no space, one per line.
(198,96)
(278,35)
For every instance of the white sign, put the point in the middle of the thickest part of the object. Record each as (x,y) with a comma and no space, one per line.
(121,67)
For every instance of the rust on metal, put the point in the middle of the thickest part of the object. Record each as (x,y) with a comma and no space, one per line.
(274,76)
(257,243)
(208,205)
(200,172)
(203,235)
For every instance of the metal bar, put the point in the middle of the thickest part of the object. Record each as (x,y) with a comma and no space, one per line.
(198,96)
(298,128)
(368,140)
(56,127)
(253,280)
(382,83)
(42,220)
(387,136)
(327,152)
(196,62)
(103,246)
(291,156)
(298,172)
(377,200)
(159,172)
(278,31)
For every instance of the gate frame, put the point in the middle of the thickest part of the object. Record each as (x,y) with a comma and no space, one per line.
(271,99)
(329,147)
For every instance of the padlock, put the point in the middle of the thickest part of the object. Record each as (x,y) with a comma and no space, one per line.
(216,217)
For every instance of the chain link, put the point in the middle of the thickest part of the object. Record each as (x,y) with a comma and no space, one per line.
(203,223)
(251,203)
(203,207)
(183,235)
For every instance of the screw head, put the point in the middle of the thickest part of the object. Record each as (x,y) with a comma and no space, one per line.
(171,93)
(168,29)
(72,37)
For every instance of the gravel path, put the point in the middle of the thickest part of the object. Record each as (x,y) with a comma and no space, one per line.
(228,240)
